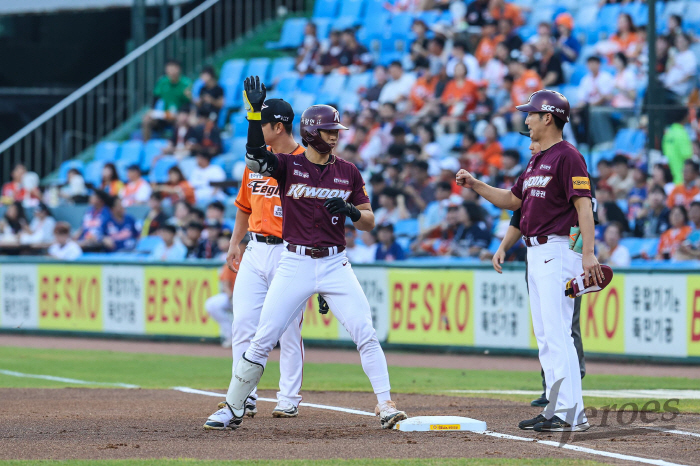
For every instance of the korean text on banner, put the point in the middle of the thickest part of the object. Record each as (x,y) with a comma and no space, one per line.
(18,296)
(70,297)
(501,311)
(174,301)
(431,307)
(123,299)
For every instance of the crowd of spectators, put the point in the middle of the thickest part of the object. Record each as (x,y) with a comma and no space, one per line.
(461,79)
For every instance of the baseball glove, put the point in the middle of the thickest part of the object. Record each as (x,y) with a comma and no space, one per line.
(322,305)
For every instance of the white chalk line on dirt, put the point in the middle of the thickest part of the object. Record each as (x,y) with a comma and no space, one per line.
(577,448)
(65,380)
(655,394)
(673,431)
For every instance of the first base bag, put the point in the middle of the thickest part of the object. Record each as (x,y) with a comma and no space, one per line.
(575,287)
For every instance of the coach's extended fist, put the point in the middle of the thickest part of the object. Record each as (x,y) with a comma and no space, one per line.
(464,178)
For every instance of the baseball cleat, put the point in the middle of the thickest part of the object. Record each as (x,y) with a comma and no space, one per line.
(389,416)
(557,425)
(223,419)
(250,408)
(530,423)
(540,402)
(285,409)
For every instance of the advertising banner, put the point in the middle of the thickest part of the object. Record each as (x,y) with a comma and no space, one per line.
(123,299)
(70,297)
(603,318)
(693,321)
(502,313)
(18,296)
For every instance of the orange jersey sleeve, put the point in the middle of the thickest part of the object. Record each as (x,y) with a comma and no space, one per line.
(227,275)
(243,198)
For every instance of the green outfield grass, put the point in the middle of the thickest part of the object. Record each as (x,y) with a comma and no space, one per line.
(334,462)
(165,371)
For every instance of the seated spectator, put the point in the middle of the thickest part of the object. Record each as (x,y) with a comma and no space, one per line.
(437,58)
(684,193)
(525,82)
(119,232)
(40,229)
(419,190)
(567,46)
(12,190)
(155,218)
(527,56)
(177,188)
(174,91)
(192,238)
(308,53)
(652,219)
(137,190)
(461,234)
(178,144)
(486,157)
(387,249)
(357,253)
(208,247)
(638,194)
(211,97)
(544,33)
(399,87)
(499,9)
(393,207)
(478,12)
(661,176)
(460,54)
(597,85)
(511,168)
(611,252)
(690,248)
(677,233)
(622,180)
(215,212)
(64,248)
(435,212)
(511,38)
(681,72)
(459,98)
(331,57)
(74,190)
(181,215)
(91,232)
(377,184)
(624,83)
(379,79)
(111,184)
(419,46)
(171,249)
(605,171)
(223,242)
(609,211)
(486,48)
(204,138)
(497,67)
(204,174)
(549,64)
(355,58)
(625,40)
(448,167)
(12,224)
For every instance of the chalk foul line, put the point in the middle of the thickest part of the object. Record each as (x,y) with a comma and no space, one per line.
(65,379)
(654,394)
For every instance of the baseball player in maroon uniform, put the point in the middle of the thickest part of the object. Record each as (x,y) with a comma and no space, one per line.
(318,192)
(554,193)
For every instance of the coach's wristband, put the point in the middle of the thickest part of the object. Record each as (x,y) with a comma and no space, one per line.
(253,116)
(354,213)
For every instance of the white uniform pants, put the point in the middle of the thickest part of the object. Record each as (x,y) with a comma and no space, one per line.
(550,265)
(219,307)
(257,269)
(298,278)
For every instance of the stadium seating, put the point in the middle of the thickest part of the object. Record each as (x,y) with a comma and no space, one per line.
(159,173)
(332,86)
(65,167)
(258,67)
(280,67)
(408,228)
(107,151)
(151,150)
(131,152)
(186,165)
(287,85)
(325,8)
(147,244)
(232,71)
(93,172)
(292,34)
(310,83)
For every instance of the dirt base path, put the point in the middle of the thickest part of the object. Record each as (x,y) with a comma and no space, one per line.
(318,355)
(75,423)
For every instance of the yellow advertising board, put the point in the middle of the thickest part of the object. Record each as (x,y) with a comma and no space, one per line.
(693,315)
(602,318)
(317,326)
(431,307)
(174,300)
(70,297)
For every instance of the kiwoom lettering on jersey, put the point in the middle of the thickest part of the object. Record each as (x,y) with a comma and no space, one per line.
(536,182)
(261,188)
(340,181)
(301,173)
(298,190)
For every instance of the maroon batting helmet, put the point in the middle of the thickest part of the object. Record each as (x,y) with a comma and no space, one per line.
(315,118)
(546,101)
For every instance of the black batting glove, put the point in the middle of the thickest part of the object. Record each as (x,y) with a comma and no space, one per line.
(337,206)
(254,94)
(322,305)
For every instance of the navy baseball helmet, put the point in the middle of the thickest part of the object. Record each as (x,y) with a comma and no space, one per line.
(546,101)
(315,118)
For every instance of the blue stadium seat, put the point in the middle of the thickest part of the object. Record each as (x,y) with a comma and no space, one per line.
(348,101)
(408,227)
(107,151)
(301,101)
(332,86)
(68,165)
(374,8)
(159,174)
(526,32)
(429,17)
(197,86)
(232,93)
(325,8)
(239,122)
(405,243)
(292,34)
(623,205)
(358,81)
(280,66)
(376,23)
(258,67)
(226,162)
(131,152)
(495,243)
(511,140)
(310,83)
(448,141)
(401,24)
(586,16)
(607,17)
(633,245)
(71,213)
(345,22)
(351,8)
(232,70)
(121,166)
(187,165)
(287,85)
(93,172)
(153,148)
(650,246)
(323,27)
(629,141)
(147,244)
(541,15)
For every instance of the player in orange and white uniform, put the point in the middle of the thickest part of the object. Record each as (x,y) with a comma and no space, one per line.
(260,214)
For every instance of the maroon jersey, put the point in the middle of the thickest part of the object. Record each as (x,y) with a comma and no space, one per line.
(303,190)
(546,187)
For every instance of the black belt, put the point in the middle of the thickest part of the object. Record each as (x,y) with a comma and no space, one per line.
(266,239)
(315,253)
(540,240)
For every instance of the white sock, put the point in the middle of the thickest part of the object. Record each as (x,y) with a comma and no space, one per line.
(383,396)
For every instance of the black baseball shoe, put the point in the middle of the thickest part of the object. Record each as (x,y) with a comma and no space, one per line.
(557,425)
(250,407)
(540,402)
(530,423)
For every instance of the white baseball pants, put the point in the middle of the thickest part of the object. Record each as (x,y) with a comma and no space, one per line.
(219,307)
(257,269)
(550,265)
(298,278)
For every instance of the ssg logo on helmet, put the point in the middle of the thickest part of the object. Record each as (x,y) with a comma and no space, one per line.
(551,108)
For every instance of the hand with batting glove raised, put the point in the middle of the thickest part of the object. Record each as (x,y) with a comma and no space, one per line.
(254,94)
(337,206)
